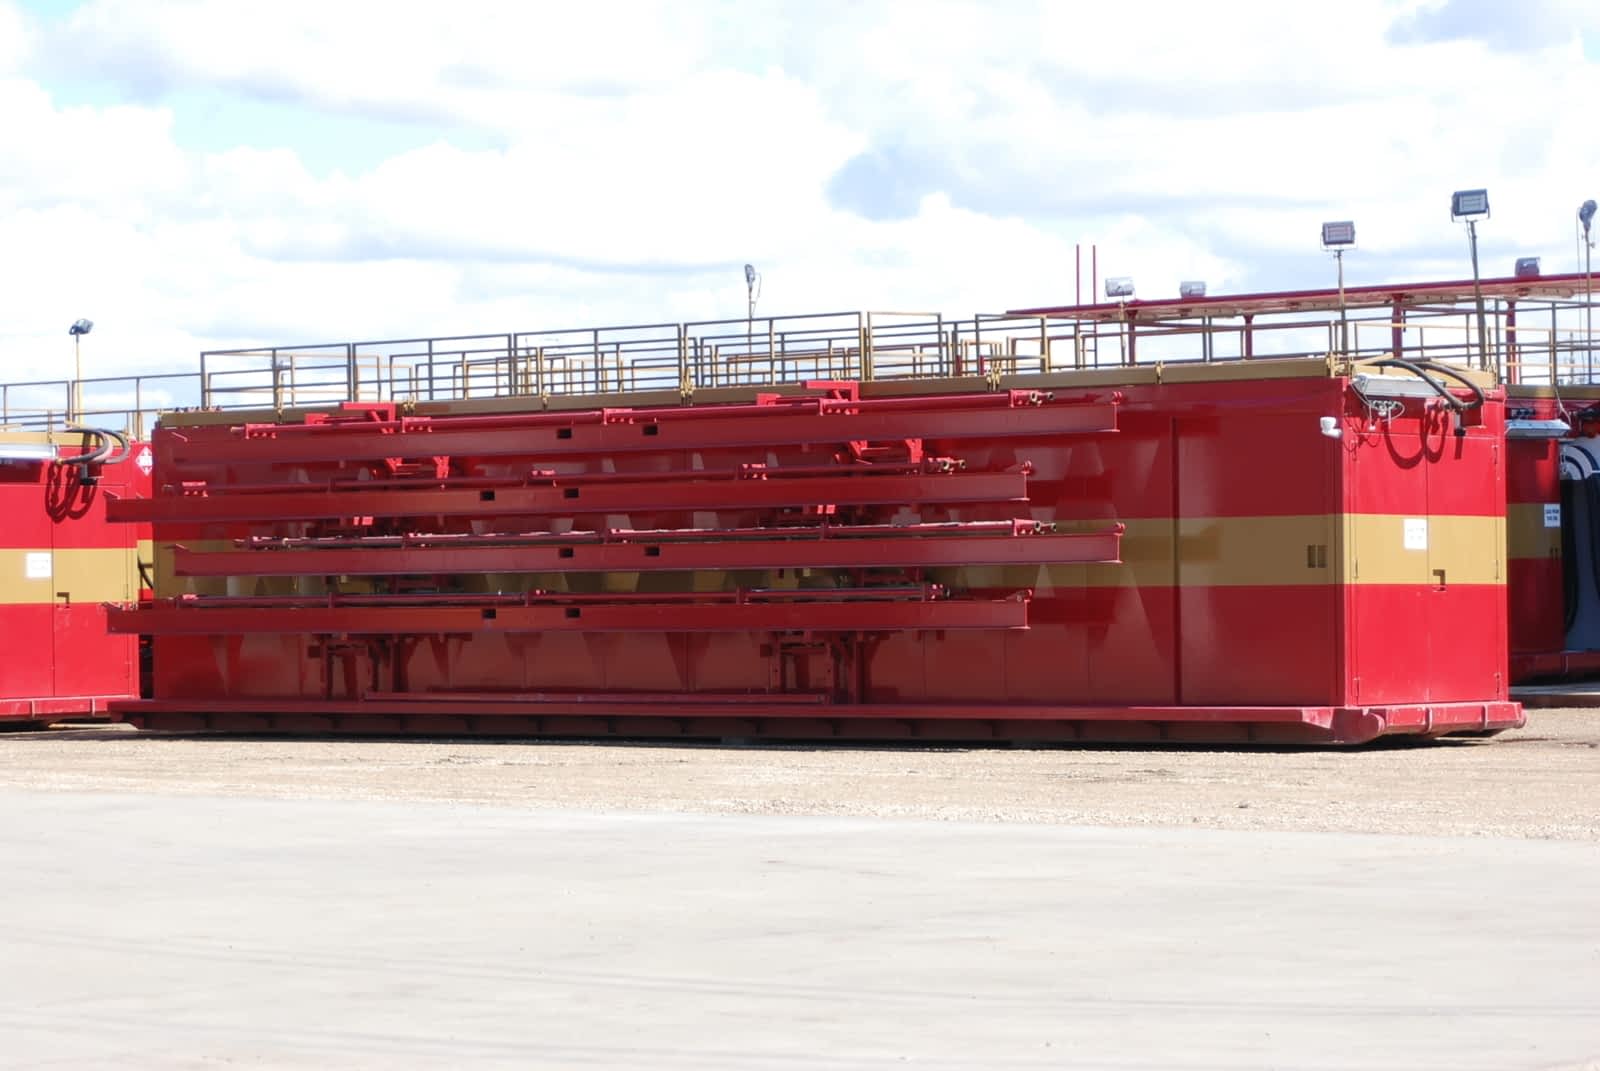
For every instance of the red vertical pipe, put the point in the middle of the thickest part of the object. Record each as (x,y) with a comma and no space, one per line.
(1249,335)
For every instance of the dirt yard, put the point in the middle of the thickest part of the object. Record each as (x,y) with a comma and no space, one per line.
(1540,782)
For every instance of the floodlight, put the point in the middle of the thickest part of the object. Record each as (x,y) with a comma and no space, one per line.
(750,275)
(1527,267)
(1586,215)
(1338,234)
(1192,288)
(1469,203)
(1473,205)
(1119,286)
(82,327)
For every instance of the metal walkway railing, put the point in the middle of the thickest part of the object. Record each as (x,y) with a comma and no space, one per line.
(1531,340)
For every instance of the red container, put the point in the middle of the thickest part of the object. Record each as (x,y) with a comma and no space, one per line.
(60,564)
(1241,552)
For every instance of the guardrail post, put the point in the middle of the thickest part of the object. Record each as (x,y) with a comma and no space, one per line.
(1553,380)
(865,339)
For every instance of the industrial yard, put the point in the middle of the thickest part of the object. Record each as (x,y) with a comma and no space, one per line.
(1542,781)
(216,901)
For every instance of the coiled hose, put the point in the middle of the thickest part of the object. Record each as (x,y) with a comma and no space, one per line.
(1421,366)
(112,449)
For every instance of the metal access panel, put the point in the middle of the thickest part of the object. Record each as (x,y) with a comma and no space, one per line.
(61,563)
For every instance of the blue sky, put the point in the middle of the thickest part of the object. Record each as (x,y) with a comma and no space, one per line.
(200,173)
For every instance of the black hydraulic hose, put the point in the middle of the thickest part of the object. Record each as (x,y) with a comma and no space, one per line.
(95,456)
(113,448)
(123,452)
(1421,366)
(1570,589)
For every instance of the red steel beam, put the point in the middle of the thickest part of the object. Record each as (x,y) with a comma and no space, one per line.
(772,715)
(1324,299)
(1015,526)
(653,496)
(853,616)
(876,593)
(864,553)
(437,437)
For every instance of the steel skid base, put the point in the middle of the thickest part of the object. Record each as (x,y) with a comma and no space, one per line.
(1555,666)
(58,708)
(798,717)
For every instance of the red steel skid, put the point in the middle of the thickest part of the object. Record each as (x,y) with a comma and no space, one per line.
(577,498)
(611,431)
(168,620)
(49,708)
(1554,665)
(660,555)
(781,717)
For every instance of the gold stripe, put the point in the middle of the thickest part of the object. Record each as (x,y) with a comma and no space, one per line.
(1459,550)
(1526,535)
(1257,551)
(84,574)
(1314,549)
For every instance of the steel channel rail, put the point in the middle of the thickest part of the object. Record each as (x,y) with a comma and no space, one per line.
(835,616)
(434,437)
(653,496)
(861,553)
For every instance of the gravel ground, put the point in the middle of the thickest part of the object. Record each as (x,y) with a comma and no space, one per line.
(1539,782)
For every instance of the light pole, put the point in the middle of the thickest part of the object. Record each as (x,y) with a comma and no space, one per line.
(752,280)
(1586,217)
(1473,205)
(1339,236)
(75,395)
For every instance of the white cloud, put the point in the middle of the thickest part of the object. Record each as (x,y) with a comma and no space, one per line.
(938,156)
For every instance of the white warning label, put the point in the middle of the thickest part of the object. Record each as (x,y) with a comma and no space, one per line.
(36,565)
(1416,533)
(144,460)
(1552,515)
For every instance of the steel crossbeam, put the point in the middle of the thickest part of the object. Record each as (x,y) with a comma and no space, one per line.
(294,503)
(575,436)
(665,556)
(170,619)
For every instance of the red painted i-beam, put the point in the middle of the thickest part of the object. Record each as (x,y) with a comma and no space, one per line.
(621,497)
(827,616)
(463,557)
(577,436)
